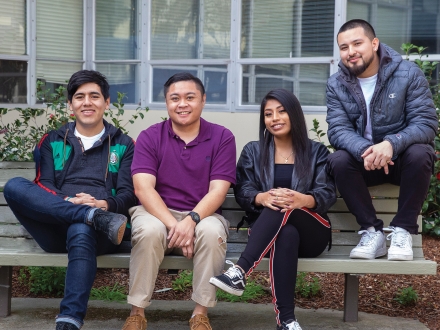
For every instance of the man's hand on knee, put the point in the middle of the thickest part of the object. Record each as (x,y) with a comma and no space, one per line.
(182,234)
(378,156)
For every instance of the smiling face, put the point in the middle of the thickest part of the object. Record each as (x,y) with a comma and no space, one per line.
(185,104)
(358,52)
(88,106)
(276,119)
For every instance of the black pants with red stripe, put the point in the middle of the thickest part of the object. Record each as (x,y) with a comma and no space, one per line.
(287,236)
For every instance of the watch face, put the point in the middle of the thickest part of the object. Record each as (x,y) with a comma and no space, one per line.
(195,216)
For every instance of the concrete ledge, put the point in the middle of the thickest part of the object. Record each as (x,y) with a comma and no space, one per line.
(36,313)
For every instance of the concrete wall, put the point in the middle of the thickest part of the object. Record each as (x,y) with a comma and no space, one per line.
(244,126)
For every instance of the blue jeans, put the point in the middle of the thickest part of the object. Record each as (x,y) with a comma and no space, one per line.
(59,227)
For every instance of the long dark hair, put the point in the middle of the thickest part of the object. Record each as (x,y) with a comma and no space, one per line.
(300,140)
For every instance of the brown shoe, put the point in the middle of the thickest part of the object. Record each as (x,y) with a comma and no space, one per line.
(199,322)
(135,322)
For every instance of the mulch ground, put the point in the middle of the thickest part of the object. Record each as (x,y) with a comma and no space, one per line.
(377,292)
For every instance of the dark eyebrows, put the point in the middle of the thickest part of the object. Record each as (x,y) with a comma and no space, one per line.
(91,93)
(177,94)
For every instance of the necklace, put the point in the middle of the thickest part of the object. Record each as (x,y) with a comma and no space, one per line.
(286,159)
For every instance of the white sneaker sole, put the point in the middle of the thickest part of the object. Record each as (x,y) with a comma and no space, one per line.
(219,284)
(360,255)
(400,257)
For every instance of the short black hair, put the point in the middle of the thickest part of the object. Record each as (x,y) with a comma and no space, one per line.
(355,23)
(183,76)
(87,76)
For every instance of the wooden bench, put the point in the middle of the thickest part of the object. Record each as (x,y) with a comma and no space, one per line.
(17,248)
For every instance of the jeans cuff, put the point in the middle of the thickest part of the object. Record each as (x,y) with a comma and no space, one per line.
(89,216)
(69,319)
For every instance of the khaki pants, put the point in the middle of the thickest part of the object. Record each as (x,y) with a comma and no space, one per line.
(149,246)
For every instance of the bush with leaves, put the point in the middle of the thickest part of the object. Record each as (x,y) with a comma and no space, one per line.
(44,280)
(431,205)
(19,137)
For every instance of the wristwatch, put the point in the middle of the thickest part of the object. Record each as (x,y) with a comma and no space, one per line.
(195,216)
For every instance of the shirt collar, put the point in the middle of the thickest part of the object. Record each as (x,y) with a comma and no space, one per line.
(204,133)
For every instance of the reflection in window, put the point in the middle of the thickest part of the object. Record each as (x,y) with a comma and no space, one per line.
(396,22)
(13,82)
(190,29)
(214,79)
(121,78)
(306,81)
(287,28)
(116,38)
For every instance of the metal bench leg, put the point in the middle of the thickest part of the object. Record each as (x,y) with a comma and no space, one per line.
(5,290)
(351,296)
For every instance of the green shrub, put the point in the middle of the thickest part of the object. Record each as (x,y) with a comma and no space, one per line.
(44,280)
(407,296)
(305,288)
(107,293)
(252,291)
(183,281)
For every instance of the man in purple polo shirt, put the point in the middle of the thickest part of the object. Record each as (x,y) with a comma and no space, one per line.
(182,169)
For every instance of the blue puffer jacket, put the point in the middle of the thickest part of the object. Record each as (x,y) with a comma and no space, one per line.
(401,110)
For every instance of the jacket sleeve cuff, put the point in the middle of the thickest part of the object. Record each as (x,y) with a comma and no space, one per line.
(111,205)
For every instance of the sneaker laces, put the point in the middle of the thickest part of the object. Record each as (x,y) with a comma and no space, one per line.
(233,271)
(367,237)
(398,238)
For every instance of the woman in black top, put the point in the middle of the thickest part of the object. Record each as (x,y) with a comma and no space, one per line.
(283,186)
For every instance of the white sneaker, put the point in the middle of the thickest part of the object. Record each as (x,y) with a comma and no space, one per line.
(289,325)
(401,244)
(372,245)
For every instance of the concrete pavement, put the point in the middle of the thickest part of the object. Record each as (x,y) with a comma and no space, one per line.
(39,314)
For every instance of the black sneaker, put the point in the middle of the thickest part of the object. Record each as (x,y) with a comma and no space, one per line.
(112,224)
(66,326)
(289,325)
(232,281)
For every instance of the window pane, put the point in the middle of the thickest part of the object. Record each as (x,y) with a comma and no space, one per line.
(402,21)
(13,82)
(180,30)
(116,38)
(287,28)
(214,79)
(122,78)
(13,27)
(56,72)
(60,29)
(306,81)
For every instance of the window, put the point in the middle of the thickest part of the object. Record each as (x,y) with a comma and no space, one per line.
(116,46)
(240,49)
(13,66)
(59,47)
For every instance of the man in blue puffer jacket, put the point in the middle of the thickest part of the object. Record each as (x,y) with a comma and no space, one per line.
(382,122)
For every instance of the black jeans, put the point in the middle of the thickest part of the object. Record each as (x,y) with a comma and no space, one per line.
(298,233)
(411,171)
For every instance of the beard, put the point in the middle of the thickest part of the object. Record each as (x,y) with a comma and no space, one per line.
(358,69)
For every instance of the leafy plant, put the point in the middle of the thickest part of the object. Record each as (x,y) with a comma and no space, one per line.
(307,288)
(431,205)
(19,137)
(45,280)
(183,281)
(107,293)
(253,290)
(320,134)
(407,296)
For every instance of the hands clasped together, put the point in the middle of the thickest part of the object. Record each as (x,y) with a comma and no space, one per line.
(283,199)
(378,156)
(182,235)
(87,199)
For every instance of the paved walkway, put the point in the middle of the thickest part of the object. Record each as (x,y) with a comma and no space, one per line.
(38,314)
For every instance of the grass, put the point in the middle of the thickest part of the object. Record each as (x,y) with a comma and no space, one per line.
(253,290)
(107,293)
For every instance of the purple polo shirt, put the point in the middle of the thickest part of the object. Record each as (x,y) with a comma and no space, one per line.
(183,171)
